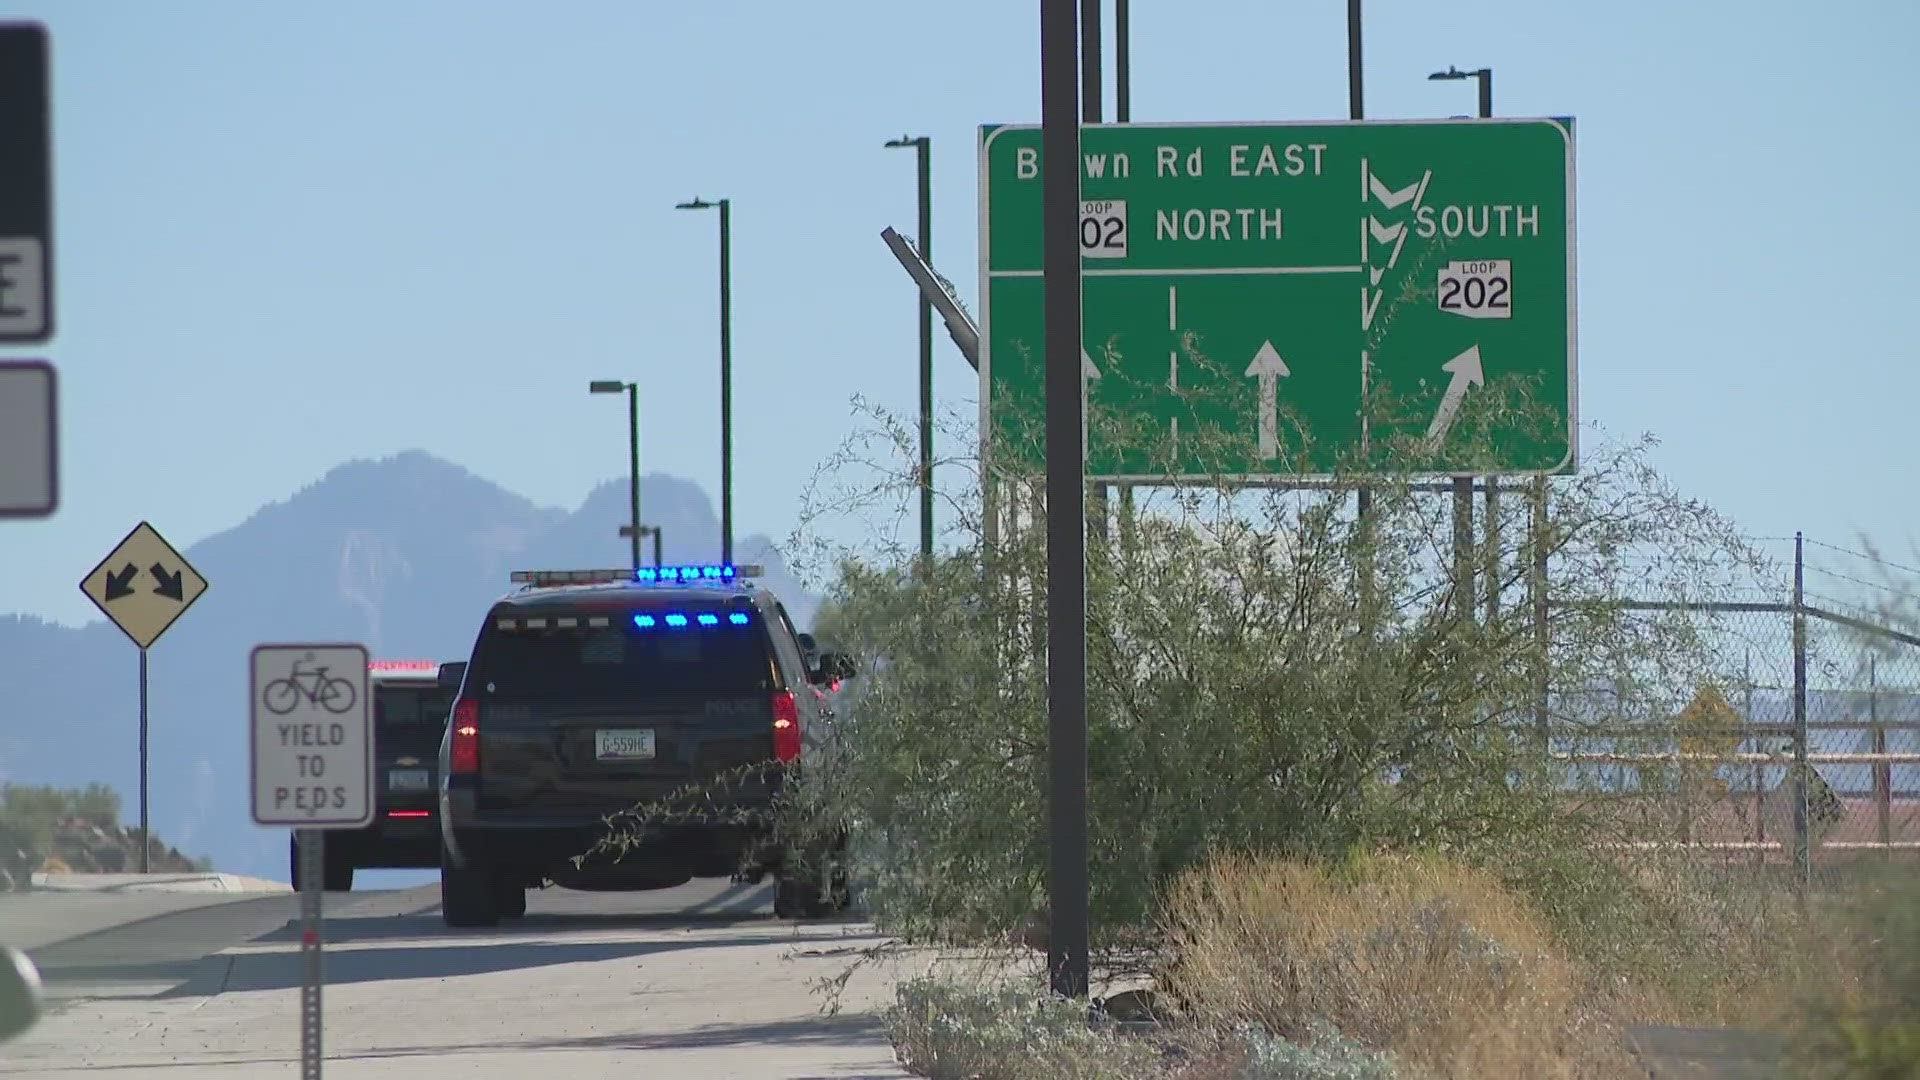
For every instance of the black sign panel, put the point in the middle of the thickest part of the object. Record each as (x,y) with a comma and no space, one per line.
(26,186)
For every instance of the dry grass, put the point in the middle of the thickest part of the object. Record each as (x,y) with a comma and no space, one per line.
(1858,1014)
(1434,962)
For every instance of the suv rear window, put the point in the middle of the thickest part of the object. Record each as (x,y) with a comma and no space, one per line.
(621,659)
(402,706)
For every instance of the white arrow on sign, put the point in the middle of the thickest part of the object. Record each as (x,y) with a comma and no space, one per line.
(1466,371)
(1088,372)
(1269,369)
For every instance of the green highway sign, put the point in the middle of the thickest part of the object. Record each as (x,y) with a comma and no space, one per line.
(1260,300)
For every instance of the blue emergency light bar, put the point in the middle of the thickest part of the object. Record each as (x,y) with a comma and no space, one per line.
(663,574)
(709,574)
(675,620)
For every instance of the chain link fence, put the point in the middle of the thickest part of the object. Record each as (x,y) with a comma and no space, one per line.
(1795,750)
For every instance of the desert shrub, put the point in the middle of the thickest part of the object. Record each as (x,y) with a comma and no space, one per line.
(29,814)
(952,1030)
(1862,1022)
(1437,963)
(1328,1055)
(1266,673)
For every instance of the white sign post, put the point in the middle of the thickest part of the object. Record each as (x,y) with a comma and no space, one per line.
(312,736)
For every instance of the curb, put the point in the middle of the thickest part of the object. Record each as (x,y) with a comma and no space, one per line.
(41,881)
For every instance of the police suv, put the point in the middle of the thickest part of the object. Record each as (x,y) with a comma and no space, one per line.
(589,692)
(410,711)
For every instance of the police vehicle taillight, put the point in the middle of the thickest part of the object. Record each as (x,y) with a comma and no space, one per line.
(464,756)
(786,727)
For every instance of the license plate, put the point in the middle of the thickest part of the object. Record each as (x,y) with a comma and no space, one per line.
(409,780)
(628,744)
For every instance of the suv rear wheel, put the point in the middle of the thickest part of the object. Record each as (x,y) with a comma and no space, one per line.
(804,898)
(799,893)
(509,896)
(336,873)
(468,896)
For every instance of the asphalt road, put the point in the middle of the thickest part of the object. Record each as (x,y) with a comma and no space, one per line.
(698,981)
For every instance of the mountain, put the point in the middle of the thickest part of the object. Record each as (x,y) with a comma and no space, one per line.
(401,554)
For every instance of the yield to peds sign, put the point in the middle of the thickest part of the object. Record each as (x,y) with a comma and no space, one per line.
(312,736)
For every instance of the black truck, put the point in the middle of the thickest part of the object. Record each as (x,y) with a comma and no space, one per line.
(410,712)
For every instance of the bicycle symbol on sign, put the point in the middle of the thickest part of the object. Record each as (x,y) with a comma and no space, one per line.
(283,695)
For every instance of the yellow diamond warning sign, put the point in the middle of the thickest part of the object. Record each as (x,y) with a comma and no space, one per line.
(144,585)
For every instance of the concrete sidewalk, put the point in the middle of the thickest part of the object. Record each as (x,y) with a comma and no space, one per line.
(586,985)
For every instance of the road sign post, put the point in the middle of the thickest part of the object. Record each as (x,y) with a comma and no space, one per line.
(29,439)
(143,586)
(313,868)
(311,744)
(1260,299)
(26,186)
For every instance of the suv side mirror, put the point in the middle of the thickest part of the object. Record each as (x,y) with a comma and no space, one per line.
(835,666)
(19,993)
(451,673)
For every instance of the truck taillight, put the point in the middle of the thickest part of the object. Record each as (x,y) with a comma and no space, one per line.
(465,756)
(786,727)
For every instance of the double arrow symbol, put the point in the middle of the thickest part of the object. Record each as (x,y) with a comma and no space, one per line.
(170,585)
(1373,232)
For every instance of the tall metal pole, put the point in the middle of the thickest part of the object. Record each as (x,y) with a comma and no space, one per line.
(1802,842)
(1123,113)
(1356,96)
(1363,503)
(146,837)
(1356,108)
(1542,643)
(1882,770)
(1493,481)
(726,382)
(1463,546)
(633,463)
(924,151)
(1067,892)
(1091,100)
(1091,96)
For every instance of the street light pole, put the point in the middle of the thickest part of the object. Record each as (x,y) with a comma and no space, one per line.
(1463,485)
(726,368)
(614,386)
(1067,869)
(924,151)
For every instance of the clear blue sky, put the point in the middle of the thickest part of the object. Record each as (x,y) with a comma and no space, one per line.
(291,235)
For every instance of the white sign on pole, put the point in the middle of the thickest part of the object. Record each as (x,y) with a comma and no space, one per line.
(29,440)
(312,736)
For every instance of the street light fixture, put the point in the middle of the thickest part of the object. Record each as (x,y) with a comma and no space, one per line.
(725,207)
(923,150)
(1485,77)
(615,386)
